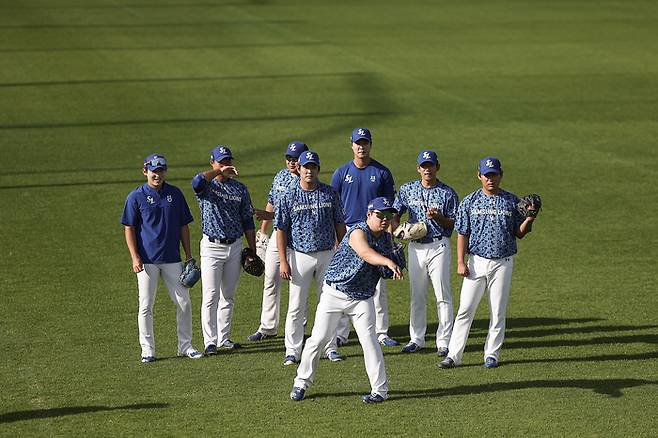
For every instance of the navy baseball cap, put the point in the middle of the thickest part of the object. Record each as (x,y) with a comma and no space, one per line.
(309,157)
(361,133)
(155,161)
(381,204)
(428,156)
(296,148)
(490,165)
(220,152)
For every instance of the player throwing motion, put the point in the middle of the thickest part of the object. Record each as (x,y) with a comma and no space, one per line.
(225,215)
(283,180)
(488,224)
(155,219)
(430,201)
(348,291)
(309,220)
(359,181)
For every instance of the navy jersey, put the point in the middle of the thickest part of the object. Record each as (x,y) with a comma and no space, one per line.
(357,187)
(157,217)
(416,199)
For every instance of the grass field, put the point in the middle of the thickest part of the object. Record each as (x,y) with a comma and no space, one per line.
(563,92)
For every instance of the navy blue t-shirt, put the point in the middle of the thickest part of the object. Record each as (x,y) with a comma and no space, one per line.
(158,217)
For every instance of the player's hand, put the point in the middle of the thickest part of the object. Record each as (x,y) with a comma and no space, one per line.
(434,214)
(229,171)
(397,272)
(138,266)
(284,270)
(462,269)
(263,215)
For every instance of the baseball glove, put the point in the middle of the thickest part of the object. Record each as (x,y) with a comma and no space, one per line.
(524,205)
(251,263)
(408,231)
(191,274)
(398,257)
(262,240)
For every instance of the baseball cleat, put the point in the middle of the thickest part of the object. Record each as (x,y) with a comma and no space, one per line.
(411,347)
(297,394)
(389,342)
(192,354)
(290,360)
(230,345)
(259,336)
(340,341)
(372,398)
(447,363)
(442,351)
(335,356)
(211,350)
(490,362)
(148,359)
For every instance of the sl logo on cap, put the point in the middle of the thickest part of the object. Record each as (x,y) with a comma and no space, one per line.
(426,154)
(309,155)
(489,163)
(222,150)
(385,201)
(362,132)
(292,146)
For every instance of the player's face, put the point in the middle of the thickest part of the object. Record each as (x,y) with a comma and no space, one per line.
(309,172)
(490,181)
(379,220)
(361,148)
(427,171)
(292,164)
(155,178)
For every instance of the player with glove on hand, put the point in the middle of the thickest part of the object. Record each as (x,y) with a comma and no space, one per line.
(488,223)
(266,246)
(155,219)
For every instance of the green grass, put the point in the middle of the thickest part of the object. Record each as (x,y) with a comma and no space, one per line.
(563,92)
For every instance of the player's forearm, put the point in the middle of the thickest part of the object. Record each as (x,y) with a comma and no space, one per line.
(131,241)
(251,238)
(281,243)
(462,246)
(341,229)
(525,228)
(264,225)
(446,222)
(211,174)
(185,241)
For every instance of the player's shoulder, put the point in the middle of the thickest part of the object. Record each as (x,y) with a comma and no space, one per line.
(137,192)
(472,197)
(343,168)
(323,187)
(281,174)
(409,186)
(171,189)
(509,196)
(447,188)
(379,166)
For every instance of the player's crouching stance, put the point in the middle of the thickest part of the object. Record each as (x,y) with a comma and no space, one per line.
(155,218)
(488,224)
(350,281)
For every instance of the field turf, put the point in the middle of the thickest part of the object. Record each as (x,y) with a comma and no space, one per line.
(563,92)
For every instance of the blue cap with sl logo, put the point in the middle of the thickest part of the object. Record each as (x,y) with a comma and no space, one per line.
(428,156)
(220,152)
(361,133)
(296,148)
(309,157)
(490,165)
(380,204)
(155,161)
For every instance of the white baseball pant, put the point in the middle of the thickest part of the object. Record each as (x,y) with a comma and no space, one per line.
(430,261)
(380,300)
(220,272)
(147,284)
(492,274)
(333,306)
(303,267)
(269,316)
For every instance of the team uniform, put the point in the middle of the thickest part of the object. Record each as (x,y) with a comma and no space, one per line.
(309,219)
(269,319)
(158,216)
(226,213)
(357,187)
(348,290)
(429,258)
(491,223)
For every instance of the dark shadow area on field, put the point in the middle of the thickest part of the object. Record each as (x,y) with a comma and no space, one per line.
(599,358)
(610,340)
(165,26)
(195,120)
(160,48)
(609,387)
(36,414)
(189,79)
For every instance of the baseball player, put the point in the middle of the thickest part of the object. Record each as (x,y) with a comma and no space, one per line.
(348,290)
(309,221)
(359,181)
(488,225)
(430,201)
(283,180)
(155,219)
(226,214)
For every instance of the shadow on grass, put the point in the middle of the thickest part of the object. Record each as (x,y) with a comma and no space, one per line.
(597,358)
(609,387)
(35,414)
